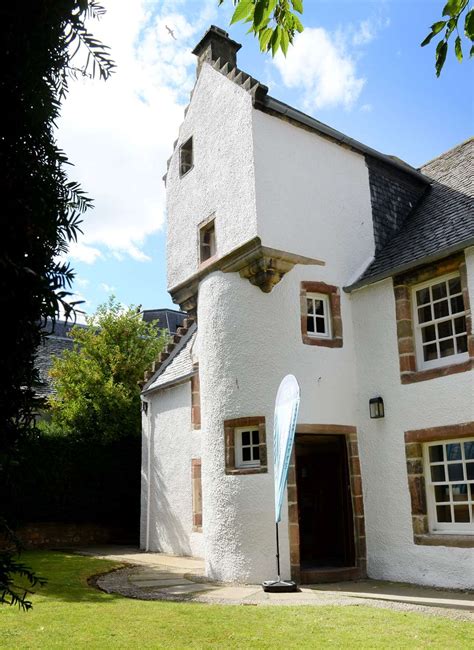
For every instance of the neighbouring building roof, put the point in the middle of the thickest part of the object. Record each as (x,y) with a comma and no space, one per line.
(441,223)
(177,363)
(169,319)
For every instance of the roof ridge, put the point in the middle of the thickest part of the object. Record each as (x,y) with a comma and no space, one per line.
(448,151)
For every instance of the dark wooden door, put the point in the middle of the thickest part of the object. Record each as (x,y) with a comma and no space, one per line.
(324,508)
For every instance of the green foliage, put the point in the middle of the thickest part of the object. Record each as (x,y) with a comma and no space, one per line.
(96,383)
(41,207)
(12,590)
(274,22)
(453,12)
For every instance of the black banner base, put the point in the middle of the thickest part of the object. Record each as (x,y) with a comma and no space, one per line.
(279,586)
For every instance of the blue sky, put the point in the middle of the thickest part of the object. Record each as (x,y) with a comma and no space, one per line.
(358,67)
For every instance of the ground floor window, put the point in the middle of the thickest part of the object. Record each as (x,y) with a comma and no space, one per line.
(450,485)
(245,445)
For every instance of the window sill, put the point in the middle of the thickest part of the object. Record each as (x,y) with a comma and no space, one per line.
(325,343)
(433,373)
(197,529)
(208,262)
(437,539)
(247,470)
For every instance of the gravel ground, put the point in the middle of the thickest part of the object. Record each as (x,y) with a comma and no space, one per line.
(118,582)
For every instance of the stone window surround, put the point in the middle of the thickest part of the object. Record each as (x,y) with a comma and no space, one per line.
(229,438)
(402,286)
(195,399)
(197,494)
(186,147)
(350,434)
(334,298)
(202,226)
(414,440)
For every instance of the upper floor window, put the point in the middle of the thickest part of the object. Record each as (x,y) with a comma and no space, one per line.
(186,157)
(318,319)
(440,322)
(207,241)
(449,478)
(321,322)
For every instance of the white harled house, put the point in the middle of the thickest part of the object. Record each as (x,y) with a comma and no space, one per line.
(296,249)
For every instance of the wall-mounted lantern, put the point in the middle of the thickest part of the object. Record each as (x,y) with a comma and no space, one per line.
(376,407)
(144,407)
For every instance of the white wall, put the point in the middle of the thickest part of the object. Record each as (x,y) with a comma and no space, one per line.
(222,181)
(173,445)
(448,400)
(313,195)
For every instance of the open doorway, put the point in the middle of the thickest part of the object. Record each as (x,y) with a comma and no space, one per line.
(326,527)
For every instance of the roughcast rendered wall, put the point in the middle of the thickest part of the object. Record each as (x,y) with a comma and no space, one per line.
(249,341)
(173,445)
(392,554)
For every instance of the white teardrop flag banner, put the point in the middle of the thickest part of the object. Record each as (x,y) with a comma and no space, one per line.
(286,413)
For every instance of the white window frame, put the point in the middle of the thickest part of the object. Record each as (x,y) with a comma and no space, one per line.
(447,528)
(240,463)
(442,361)
(327,315)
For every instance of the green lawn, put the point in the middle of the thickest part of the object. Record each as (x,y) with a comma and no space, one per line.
(67,613)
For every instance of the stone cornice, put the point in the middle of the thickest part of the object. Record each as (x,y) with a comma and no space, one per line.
(264,267)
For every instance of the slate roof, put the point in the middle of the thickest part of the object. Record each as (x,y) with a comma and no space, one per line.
(178,365)
(442,222)
(169,319)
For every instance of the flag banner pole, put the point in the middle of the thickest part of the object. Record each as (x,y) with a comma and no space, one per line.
(284,426)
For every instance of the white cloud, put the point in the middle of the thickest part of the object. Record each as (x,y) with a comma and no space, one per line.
(120,133)
(367,30)
(107,287)
(81,282)
(366,108)
(320,65)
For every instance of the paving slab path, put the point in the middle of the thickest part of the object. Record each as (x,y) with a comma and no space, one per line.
(157,576)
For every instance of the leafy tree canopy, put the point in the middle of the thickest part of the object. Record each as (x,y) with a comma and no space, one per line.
(275,23)
(96,383)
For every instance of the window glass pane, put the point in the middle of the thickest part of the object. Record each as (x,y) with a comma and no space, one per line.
(441,493)
(428,333)
(469,450)
(445,329)
(423,296)
(446,347)
(255,438)
(430,352)
(246,453)
(436,453)
(455,285)
(319,307)
(256,453)
(439,290)
(443,514)
(460,325)
(453,451)
(245,437)
(320,326)
(461,343)
(424,314)
(457,304)
(437,473)
(455,472)
(310,324)
(470,471)
(309,305)
(460,492)
(441,308)
(461,514)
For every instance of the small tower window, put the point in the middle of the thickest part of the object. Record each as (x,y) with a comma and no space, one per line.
(186,157)
(207,241)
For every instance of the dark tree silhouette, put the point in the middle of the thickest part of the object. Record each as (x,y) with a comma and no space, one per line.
(41,212)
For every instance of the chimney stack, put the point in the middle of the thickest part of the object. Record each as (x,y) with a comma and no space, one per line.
(216,44)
